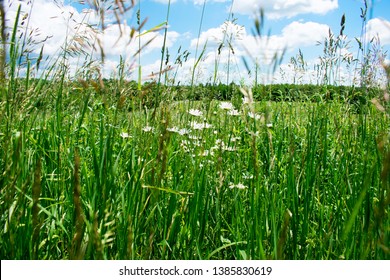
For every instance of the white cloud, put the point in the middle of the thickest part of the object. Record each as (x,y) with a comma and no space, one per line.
(295,35)
(298,34)
(117,41)
(56,22)
(285,8)
(116,44)
(46,20)
(381,28)
(262,50)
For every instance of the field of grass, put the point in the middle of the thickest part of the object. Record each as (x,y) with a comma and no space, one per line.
(87,173)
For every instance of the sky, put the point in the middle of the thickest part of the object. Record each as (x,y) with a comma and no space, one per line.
(213,37)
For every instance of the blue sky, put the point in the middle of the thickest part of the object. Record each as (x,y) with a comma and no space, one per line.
(289,25)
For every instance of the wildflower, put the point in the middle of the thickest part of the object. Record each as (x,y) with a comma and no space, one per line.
(219,144)
(173,129)
(17,134)
(147,129)
(125,135)
(195,112)
(194,137)
(247,176)
(269,125)
(252,133)
(196,143)
(254,116)
(229,149)
(204,153)
(238,186)
(184,144)
(234,112)
(200,126)
(226,106)
(184,131)
(181,131)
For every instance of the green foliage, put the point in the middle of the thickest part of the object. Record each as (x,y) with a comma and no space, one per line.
(111,169)
(313,183)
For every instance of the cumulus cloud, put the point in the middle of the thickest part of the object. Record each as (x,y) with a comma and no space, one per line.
(214,36)
(295,35)
(54,25)
(298,34)
(285,8)
(379,27)
(262,50)
(115,46)
(49,22)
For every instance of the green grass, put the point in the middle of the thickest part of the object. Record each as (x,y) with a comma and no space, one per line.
(108,189)
(87,172)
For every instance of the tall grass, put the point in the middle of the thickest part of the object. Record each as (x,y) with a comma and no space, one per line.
(86,174)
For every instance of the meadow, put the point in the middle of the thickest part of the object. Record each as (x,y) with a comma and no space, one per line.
(90,170)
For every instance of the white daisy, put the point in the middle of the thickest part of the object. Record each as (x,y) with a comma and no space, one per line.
(181,131)
(195,112)
(200,126)
(229,149)
(147,129)
(194,137)
(219,144)
(254,116)
(173,129)
(234,112)
(125,135)
(226,106)
(184,131)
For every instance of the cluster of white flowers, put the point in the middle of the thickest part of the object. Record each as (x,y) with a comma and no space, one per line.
(204,153)
(200,126)
(237,186)
(247,176)
(147,129)
(193,142)
(235,138)
(184,144)
(219,144)
(226,106)
(255,116)
(195,112)
(252,133)
(194,137)
(181,131)
(234,112)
